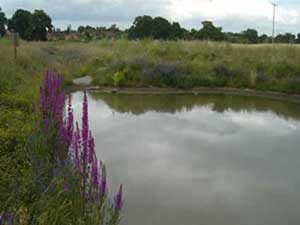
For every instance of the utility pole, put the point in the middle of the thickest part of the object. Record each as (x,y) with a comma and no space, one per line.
(274,14)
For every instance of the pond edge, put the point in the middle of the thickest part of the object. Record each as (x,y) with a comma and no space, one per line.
(295,98)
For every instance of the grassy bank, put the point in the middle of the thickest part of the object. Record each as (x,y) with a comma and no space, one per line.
(35,186)
(194,64)
(164,64)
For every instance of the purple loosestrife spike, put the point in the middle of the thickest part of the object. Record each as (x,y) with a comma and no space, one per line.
(91,148)
(75,147)
(95,173)
(7,218)
(85,136)
(119,199)
(79,142)
(66,187)
(103,183)
(85,125)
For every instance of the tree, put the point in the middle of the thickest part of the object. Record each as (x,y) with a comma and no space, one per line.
(250,35)
(233,37)
(210,32)
(41,24)
(80,29)
(298,38)
(3,22)
(21,22)
(162,28)
(142,27)
(285,38)
(177,31)
(264,39)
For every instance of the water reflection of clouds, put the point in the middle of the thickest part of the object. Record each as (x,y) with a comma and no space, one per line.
(230,167)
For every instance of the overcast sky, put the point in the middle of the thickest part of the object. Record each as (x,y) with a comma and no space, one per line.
(232,15)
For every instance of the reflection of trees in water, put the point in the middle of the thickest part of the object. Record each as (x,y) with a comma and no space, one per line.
(139,104)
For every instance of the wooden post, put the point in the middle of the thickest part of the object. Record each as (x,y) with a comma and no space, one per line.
(15,43)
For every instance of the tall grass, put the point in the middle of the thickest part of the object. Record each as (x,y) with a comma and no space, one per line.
(65,182)
(182,64)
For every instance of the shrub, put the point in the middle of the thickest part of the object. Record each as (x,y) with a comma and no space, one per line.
(292,85)
(170,74)
(117,78)
(117,65)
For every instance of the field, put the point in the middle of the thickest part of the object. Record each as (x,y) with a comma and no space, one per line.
(126,63)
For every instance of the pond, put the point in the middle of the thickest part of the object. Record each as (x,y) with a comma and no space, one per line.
(193,160)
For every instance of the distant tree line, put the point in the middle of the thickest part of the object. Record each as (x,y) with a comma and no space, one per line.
(30,26)
(35,27)
(160,28)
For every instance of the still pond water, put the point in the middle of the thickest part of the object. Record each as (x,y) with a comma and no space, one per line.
(199,160)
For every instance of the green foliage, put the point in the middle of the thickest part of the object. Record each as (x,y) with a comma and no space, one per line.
(250,35)
(3,22)
(41,24)
(21,22)
(142,27)
(156,28)
(30,26)
(210,32)
(285,38)
(162,29)
(117,77)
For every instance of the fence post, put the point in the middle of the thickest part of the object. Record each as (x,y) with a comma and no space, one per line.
(15,43)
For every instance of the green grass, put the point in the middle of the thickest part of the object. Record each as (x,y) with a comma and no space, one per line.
(181,64)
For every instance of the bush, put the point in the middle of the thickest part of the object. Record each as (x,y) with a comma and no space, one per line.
(292,85)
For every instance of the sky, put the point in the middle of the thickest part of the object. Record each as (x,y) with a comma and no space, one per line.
(232,15)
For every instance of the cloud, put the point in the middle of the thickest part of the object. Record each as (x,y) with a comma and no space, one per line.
(233,15)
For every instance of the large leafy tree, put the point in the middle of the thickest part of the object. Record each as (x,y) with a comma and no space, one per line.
(162,28)
(21,22)
(41,24)
(3,22)
(142,27)
(148,27)
(177,31)
(210,32)
(251,36)
(31,26)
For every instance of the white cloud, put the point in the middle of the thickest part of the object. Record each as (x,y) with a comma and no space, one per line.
(232,15)
(255,13)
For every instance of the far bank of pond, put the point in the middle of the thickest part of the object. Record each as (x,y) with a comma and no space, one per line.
(194,91)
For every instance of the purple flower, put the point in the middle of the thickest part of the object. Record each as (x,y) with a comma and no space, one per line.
(119,199)
(7,218)
(66,187)
(103,182)
(95,173)
(91,146)
(77,142)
